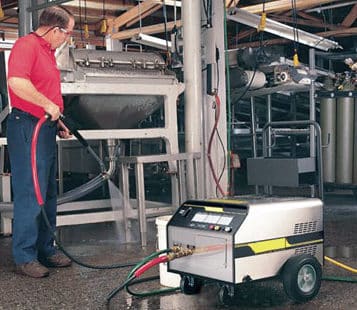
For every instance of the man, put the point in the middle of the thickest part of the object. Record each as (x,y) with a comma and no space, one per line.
(35,89)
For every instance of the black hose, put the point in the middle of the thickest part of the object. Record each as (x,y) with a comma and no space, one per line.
(118,289)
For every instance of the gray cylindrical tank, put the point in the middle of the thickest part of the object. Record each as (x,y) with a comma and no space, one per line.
(344,139)
(355,146)
(328,132)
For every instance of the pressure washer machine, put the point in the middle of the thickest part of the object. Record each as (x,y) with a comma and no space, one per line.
(249,238)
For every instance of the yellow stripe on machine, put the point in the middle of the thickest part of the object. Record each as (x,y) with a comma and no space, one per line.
(268,245)
(213,209)
(264,246)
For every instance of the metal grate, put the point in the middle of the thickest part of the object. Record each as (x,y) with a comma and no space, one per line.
(303,228)
(310,249)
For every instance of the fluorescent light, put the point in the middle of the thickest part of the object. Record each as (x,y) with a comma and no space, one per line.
(282,30)
(332,6)
(145,39)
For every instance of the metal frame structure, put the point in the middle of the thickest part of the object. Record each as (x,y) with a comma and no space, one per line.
(179,190)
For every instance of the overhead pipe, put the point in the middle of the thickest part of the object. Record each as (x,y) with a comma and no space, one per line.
(25,20)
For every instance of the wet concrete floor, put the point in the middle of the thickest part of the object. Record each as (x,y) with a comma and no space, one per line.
(82,288)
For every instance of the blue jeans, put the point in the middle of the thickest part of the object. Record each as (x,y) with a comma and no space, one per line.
(31,236)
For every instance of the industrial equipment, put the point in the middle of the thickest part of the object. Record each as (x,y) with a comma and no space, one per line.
(248,238)
(108,94)
(96,110)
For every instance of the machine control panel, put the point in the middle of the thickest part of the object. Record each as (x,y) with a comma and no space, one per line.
(210,215)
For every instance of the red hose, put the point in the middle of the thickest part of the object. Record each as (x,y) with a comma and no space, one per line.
(34,160)
(218,112)
(150,264)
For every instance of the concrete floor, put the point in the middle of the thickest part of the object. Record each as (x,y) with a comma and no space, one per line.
(82,288)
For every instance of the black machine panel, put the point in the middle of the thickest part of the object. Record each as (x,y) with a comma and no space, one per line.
(210,215)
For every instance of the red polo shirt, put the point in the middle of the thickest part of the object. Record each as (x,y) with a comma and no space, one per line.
(33,59)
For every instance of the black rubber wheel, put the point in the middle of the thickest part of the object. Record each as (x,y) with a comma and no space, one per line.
(302,277)
(224,297)
(190,285)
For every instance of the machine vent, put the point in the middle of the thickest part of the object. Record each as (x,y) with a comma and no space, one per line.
(310,249)
(303,228)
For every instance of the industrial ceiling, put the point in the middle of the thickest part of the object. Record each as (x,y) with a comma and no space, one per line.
(126,18)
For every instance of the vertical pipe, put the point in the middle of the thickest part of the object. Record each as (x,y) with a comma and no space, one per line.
(254,134)
(312,103)
(268,188)
(140,198)
(269,120)
(253,126)
(35,15)
(124,185)
(191,15)
(24,17)
(312,110)
(355,146)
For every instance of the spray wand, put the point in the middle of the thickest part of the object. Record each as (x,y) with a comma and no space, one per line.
(71,126)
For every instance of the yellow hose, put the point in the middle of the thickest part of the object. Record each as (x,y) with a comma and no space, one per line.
(354,270)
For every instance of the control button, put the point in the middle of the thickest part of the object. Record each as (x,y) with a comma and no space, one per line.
(228,229)
(184,212)
(217,228)
(211,227)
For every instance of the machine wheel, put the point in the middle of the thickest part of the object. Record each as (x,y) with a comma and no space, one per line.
(190,285)
(226,295)
(302,277)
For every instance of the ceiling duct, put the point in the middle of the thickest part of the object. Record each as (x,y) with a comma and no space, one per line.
(281,30)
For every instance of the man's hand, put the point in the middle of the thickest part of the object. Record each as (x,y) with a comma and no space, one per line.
(53,110)
(63,131)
